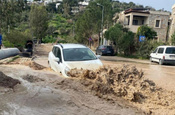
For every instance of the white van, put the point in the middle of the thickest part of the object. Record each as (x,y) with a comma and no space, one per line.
(163,54)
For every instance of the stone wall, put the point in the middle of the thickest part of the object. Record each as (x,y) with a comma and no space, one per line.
(172,27)
(162,30)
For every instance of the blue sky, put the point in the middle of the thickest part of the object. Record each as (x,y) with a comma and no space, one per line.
(157,4)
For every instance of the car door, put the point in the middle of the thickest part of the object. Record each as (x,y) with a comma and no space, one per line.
(58,54)
(51,58)
(154,55)
(160,53)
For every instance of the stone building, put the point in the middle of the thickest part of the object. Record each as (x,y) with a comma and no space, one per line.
(158,20)
(172,19)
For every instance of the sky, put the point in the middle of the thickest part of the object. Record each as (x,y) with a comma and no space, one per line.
(157,4)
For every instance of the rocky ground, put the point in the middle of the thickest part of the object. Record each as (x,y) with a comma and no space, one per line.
(29,88)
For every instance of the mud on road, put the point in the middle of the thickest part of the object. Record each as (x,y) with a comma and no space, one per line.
(46,93)
(128,83)
(110,90)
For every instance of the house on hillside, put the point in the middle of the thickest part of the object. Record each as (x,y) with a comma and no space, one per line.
(46,2)
(158,20)
(83,5)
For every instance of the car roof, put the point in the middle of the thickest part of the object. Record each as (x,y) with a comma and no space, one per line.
(67,46)
(166,46)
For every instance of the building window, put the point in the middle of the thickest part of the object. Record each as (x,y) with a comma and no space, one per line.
(135,22)
(157,25)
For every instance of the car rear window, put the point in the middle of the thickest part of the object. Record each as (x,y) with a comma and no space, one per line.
(170,50)
(160,51)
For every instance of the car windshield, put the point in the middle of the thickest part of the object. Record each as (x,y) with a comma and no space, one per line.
(170,50)
(78,54)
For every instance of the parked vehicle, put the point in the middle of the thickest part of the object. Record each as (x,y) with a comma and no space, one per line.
(163,55)
(105,50)
(65,57)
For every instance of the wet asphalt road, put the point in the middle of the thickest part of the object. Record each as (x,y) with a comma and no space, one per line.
(162,75)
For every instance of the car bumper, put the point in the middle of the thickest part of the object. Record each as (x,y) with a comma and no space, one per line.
(169,61)
(107,52)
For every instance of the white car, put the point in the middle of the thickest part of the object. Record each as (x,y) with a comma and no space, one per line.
(65,57)
(163,54)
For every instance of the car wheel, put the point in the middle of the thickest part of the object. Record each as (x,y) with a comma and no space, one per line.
(160,62)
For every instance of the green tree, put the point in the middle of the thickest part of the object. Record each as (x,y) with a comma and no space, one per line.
(88,23)
(108,14)
(146,31)
(115,33)
(38,21)
(51,7)
(127,43)
(91,20)
(10,13)
(122,38)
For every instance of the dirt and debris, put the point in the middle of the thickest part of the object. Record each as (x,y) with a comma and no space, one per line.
(8,82)
(22,61)
(124,82)
(121,89)
(129,83)
(34,65)
(32,79)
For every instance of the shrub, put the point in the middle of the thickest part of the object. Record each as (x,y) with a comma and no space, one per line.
(146,31)
(49,39)
(126,43)
(16,38)
(145,48)
(7,44)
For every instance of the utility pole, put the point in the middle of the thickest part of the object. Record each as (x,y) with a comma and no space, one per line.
(101,42)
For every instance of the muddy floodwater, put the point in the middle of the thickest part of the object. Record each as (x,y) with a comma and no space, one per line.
(43,92)
(162,75)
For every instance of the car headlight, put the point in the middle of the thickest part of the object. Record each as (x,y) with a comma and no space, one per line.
(66,70)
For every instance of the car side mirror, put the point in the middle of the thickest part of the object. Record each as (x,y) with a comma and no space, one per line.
(57,59)
(98,56)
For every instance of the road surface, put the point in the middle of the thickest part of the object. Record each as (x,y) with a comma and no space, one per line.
(162,75)
(44,92)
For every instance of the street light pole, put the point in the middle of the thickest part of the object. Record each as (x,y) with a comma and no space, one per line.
(102,22)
